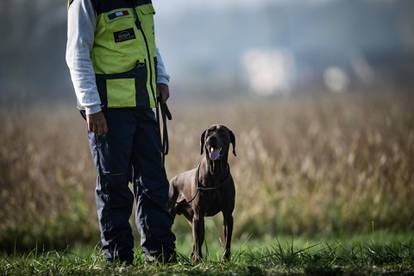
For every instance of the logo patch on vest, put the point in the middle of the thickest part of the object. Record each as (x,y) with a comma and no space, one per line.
(117,14)
(124,35)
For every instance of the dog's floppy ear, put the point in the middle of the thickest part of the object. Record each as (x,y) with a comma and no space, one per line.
(233,141)
(202,139)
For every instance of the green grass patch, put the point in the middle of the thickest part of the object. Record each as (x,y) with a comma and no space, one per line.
(379,253)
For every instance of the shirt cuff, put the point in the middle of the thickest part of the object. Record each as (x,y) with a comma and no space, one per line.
(163,80)
(93,109)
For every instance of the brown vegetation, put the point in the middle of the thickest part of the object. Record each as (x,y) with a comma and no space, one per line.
(324,165)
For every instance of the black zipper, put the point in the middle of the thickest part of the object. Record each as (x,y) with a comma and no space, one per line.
(139,27)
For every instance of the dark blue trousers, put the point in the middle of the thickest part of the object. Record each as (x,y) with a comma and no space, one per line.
(131,151)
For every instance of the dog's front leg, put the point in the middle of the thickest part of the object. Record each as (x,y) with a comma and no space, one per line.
(228,231)
(198,237)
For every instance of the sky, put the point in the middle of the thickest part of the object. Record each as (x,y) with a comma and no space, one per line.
(172,6)
(316,33)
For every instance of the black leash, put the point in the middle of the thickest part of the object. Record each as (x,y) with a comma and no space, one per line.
(165,114)
(196,183)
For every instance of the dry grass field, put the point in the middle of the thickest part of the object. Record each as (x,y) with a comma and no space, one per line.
(323,165)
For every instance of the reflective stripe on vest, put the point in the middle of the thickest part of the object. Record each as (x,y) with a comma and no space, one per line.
(123,55)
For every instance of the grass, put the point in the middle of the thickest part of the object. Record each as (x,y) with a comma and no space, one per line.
(379,253)
(311,171)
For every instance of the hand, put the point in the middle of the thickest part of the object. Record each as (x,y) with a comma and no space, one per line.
(163,91)
(97,123)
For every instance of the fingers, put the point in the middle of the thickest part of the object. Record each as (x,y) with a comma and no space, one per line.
(164,92)
(94,127)
(166,96)
(100,128)
(97,123)
(105,127)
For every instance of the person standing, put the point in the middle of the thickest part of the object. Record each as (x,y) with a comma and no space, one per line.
(117,73)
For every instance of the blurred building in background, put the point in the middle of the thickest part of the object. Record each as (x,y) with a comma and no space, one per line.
(227,48)
(269,72)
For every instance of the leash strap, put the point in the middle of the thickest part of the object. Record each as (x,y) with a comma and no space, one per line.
(196,183)
(165,114)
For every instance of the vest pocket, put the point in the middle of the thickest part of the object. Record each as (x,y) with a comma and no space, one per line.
(120,93)
(124,90)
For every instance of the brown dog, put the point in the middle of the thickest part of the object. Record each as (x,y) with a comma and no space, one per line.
(207,189)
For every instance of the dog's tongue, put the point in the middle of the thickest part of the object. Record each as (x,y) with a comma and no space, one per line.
(214,154)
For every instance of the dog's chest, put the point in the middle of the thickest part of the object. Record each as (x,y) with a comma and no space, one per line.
(211,202)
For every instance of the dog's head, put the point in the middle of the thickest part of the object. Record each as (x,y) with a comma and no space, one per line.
(216,142)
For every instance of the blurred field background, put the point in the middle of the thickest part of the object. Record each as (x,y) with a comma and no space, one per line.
(323,165)
(319,95)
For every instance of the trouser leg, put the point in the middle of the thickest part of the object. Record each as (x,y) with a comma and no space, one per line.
(151,188)
(114,199)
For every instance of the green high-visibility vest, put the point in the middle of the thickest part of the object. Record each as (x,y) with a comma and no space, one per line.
(124,53)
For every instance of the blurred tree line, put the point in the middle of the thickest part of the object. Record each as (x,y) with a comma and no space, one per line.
(32,49)
(33,35)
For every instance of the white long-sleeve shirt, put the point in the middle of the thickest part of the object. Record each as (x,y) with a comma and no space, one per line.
(81,32)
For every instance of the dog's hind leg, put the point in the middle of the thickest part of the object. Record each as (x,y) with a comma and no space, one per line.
(188,213)
(172,199)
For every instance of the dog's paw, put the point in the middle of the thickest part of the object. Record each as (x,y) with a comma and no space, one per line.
(196,257)
(226,256)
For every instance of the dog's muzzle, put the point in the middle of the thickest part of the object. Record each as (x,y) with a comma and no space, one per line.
(214,153)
